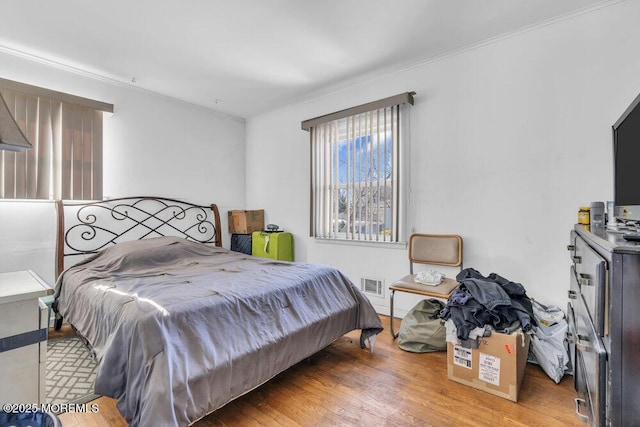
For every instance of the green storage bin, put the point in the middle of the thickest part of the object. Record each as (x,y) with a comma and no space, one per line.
(275,245)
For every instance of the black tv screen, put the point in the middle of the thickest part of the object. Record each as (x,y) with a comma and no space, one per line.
(626,161)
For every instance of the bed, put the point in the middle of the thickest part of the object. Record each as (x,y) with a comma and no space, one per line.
(181,326)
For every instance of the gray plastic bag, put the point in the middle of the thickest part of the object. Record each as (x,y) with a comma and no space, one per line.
(422,330)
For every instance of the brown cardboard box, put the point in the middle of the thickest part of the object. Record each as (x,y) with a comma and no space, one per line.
(496,366)
(246,222)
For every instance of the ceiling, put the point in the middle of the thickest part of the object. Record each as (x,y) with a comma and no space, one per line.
(245,57)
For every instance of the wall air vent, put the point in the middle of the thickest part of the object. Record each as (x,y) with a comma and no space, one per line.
(372,286)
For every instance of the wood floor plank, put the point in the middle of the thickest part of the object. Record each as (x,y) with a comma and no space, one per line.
(347,386)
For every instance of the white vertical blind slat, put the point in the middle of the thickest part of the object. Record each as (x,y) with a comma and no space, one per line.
(349,226)
(359,168)
(336,181)
(385,170)
(370,171)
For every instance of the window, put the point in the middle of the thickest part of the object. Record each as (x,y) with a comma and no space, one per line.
(66,134)
(356,171)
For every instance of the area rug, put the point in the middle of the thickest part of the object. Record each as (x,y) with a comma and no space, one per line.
(71,371)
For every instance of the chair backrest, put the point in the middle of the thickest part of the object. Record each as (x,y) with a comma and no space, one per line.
(437,249)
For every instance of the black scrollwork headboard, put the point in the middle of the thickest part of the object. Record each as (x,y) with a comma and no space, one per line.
(85,228)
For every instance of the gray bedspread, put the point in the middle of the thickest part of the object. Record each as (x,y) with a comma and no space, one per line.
(179,328)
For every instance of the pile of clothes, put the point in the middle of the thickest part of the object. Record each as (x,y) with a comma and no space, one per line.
(481,304)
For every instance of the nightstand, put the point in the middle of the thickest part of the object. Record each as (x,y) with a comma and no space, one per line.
(24,321)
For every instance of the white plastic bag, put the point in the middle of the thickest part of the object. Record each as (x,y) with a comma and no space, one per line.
(546,315)
(548,343)
(429,277)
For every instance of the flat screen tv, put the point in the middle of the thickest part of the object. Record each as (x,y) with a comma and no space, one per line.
(626,163)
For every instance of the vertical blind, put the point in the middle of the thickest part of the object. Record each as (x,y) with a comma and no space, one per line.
(355,172)
(66,159)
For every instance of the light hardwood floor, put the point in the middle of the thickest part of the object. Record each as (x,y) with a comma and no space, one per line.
(343,385)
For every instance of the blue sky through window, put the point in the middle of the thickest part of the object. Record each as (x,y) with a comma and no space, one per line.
(364,168)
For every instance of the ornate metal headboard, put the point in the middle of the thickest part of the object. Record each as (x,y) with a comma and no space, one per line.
(85,228)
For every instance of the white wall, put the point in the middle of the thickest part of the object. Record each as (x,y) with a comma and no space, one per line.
(152,146)
(508,140)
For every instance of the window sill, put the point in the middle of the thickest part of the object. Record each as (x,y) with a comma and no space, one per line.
(362,243)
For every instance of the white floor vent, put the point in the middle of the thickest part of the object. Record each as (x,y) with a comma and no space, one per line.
(372,286)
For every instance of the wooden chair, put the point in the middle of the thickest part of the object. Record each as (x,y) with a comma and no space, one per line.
(432,249)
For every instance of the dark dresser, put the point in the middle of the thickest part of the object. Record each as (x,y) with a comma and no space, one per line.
(604,326)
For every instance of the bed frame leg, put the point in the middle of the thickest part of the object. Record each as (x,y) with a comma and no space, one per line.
(57,323)
(393,334)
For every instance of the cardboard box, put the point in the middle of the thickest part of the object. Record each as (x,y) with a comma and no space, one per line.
(497,366)
(246,222)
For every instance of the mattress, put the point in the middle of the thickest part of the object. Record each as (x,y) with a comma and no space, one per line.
(180,328)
